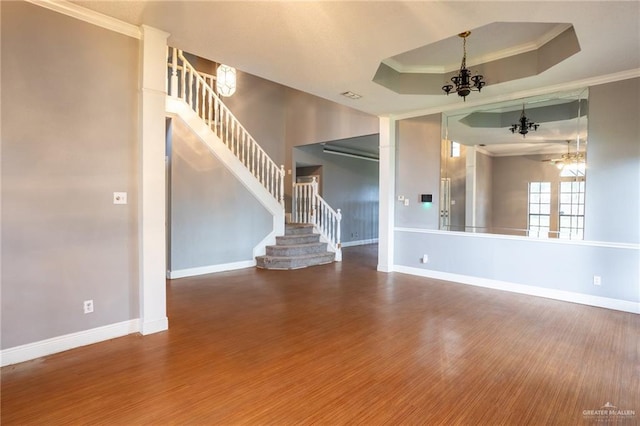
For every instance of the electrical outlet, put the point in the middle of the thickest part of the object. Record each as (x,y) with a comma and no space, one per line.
(88,306)
(119,198)
(425,258)
(400,197)
(597,280)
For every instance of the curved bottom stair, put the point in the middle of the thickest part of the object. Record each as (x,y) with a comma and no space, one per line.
(298,248)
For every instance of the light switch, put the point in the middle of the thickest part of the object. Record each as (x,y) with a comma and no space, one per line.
(119,198)
(406,201)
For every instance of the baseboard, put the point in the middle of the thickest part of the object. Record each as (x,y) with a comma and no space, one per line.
(549,293)
(201,270)
(360,242)
(155,326)
(68,341)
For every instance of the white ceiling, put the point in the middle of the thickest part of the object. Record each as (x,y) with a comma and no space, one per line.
(329,47)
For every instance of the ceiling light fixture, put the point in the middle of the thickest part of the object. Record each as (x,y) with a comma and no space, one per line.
(226,80)
(524,125)
(463,80)
(570,164)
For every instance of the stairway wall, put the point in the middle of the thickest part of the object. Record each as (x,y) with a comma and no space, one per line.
(214,218)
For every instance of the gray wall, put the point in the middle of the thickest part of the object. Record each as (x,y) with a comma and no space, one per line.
(259,104)
(349,184)
(418,171)
(484,192)
(567,266)
(549,264)
(69,140)
(214,219)
(612,195)
(310,120)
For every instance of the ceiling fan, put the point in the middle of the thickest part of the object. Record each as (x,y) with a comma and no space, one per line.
(571,161)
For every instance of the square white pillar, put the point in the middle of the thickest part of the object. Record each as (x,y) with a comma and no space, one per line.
(152,204)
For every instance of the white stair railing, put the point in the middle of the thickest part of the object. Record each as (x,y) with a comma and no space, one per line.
(187,84)
(310,207)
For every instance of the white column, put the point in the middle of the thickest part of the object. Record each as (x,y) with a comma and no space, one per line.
(387,176)
(151,213)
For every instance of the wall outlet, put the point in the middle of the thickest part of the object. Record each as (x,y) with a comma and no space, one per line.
(88,306)
(119,198)
(425,258)
(597,280)
(400,197)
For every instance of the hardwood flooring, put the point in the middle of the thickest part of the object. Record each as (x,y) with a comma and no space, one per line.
(342,344)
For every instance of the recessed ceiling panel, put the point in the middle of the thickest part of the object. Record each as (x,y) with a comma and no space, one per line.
(501,51)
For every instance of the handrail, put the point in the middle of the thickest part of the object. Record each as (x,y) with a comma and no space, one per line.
(187,84)
(310,207)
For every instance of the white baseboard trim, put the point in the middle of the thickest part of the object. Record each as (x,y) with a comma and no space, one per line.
(202,270)
(68,341)
(549,293)
(155,326)
(360,242)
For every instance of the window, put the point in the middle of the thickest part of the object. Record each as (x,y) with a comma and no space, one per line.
(539,209)
(455,149)
(571,210)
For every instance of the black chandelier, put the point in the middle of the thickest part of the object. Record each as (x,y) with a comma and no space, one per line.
(464,78)
(524,125)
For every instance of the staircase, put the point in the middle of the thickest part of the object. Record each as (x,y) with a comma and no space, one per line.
(193,99)
(298,248)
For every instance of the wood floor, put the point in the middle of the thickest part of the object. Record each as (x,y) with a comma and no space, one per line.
(342,344)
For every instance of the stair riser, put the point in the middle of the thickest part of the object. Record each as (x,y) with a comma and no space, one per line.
(297,239)
(296,251)
(298,230)
(298,248)
(294,263)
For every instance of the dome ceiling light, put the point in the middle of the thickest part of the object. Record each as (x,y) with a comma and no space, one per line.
(464,82)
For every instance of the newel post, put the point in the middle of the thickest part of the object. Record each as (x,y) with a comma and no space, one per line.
(338,219)
(174,72)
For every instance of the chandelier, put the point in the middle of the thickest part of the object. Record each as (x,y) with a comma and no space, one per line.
(524,125)
(463,81)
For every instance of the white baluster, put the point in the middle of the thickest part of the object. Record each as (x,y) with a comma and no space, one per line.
(226,128)
(183,86)
(203,99)
(210,106)
(253,159)
(281,195)
(190,93)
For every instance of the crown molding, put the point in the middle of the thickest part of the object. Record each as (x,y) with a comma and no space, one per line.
(571,85)
(473,61)
(73,10)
